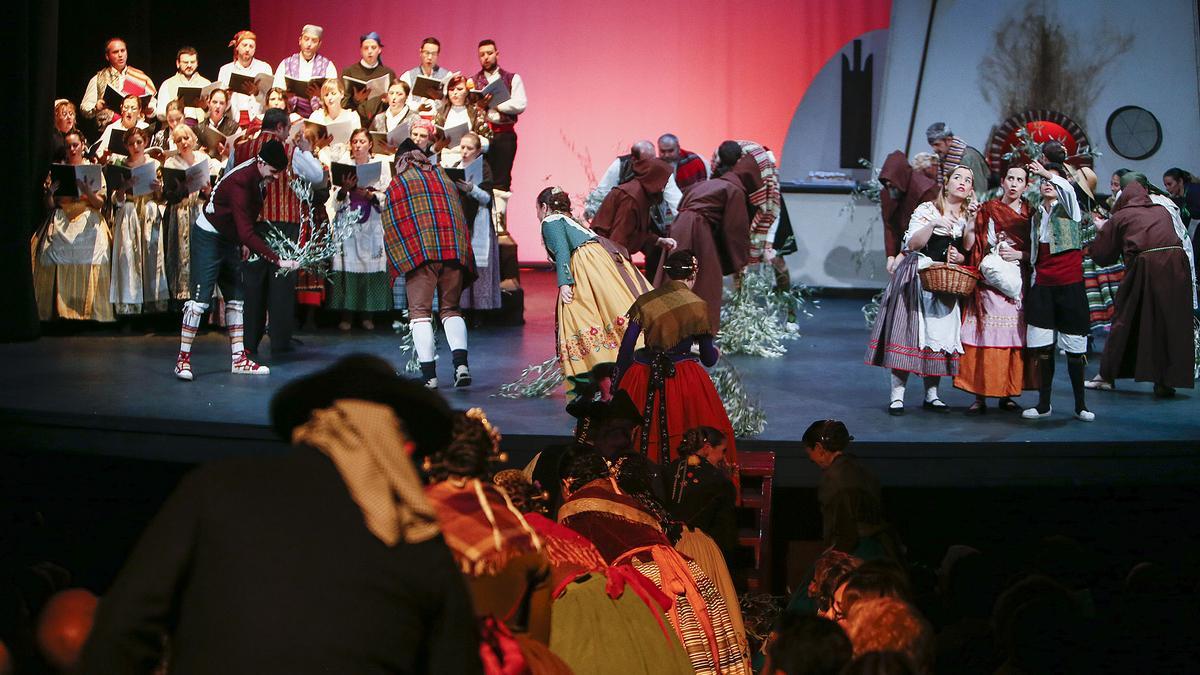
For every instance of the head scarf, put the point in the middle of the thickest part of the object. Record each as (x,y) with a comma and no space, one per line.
(408,159)
(313,30)
(367,444)
(372,35)
(240,36)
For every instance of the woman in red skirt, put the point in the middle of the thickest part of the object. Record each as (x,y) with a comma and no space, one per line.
(665,379)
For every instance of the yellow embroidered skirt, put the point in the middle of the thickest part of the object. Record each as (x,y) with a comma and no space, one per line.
(591,326)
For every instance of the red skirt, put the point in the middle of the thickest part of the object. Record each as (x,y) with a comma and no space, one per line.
(692,402)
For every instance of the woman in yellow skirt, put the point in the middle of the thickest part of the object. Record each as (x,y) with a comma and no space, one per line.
(597,284)
(71,255)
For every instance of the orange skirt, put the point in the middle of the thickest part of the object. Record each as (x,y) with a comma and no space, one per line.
(991,371)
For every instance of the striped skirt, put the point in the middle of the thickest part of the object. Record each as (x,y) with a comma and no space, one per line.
(896,335)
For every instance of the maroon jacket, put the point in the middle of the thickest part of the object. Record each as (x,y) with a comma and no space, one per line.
(235,205)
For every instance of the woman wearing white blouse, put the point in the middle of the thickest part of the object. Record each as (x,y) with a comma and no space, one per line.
(139,273)
(332,111)
(181,212)
(457,113)
(360,281)
(72,270)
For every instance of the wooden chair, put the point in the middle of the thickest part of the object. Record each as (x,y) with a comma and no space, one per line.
(756,471)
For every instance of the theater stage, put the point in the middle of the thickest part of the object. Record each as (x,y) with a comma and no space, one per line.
(107,393)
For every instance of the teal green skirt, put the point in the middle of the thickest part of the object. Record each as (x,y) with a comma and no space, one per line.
(360,291)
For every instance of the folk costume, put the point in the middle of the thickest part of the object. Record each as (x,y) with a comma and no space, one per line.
(360,281)
(477,208)
(266,293)
(605,284)
(297,68)
(918,331)
(714,223)
(1151,338)
(225,225)
(427,240)
(624,215)
(182,209)
(507,571)
(1056,304)
(368,109)
(993,329)
(625,533)
(502,123)
(139,267)
(665,380)
(72,267)
(127,81)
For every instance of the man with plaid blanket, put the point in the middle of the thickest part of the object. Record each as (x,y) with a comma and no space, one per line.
(426,238)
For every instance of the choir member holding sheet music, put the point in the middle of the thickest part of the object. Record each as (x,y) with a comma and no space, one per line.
(187,183)
(139,275)
(186,63)
(162,143)
(119,76)
(360,281)
(367,81)
(503,93)
(72,266)
(216,131)
(473,177)
(64,122)
(426,82)
(392,126)
(112,141)
(338,121)
(457,118)
(244,99)
(303,73)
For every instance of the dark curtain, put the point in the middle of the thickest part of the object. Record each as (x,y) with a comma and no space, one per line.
(33,45)
(59,45)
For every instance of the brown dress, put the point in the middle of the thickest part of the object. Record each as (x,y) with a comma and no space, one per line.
(714,222)
(624,215)
(914,187)
(1151,338)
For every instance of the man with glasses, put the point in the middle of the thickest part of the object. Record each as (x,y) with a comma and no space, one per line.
(431,48)
(222,236)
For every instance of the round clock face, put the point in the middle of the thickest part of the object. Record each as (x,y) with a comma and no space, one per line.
(1133,132)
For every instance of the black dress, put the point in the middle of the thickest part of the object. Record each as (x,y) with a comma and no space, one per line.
(703,498)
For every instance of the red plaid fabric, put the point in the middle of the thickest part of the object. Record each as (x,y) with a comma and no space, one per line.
(280,203)
(423,220)
(481,545)
(766,198)
(690,170)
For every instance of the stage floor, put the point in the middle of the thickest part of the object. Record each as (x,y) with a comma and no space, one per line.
(120,382)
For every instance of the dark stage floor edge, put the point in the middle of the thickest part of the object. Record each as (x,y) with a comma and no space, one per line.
(100,391)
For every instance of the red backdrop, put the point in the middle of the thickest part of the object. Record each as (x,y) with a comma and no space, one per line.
(601,75)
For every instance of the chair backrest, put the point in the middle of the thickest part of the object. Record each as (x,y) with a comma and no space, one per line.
(756,470)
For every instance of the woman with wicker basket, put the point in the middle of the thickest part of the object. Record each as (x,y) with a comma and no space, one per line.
(919,326)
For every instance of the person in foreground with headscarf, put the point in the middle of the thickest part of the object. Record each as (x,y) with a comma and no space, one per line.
(637,477)
(596,285)
(1151,338)
(624,215)
(325,559)
(597,607)
(665,379)
(499,552)
(714,223)
(625,532)
(427,241)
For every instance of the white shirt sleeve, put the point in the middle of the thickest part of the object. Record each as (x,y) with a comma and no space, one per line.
(672,195)
(515,105)
(88,105)
(611,175)
(306,166)
(925,214)
(1066,196)
(331,72)
(166,93)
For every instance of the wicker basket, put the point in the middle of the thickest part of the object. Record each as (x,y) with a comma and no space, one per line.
(949,278)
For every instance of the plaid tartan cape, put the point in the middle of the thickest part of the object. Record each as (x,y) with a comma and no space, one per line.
(481,545)
(423,221)
(670,313)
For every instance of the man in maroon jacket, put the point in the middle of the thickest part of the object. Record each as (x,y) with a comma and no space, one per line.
(223,230)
